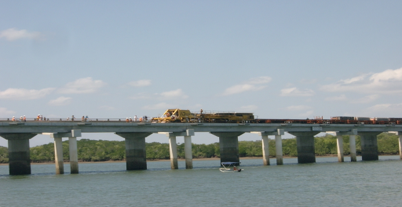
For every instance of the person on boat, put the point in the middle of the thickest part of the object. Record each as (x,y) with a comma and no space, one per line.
(234,168)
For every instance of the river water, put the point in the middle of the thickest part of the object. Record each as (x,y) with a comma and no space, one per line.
(324,183)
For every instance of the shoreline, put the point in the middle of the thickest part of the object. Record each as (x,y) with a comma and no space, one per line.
(168,160)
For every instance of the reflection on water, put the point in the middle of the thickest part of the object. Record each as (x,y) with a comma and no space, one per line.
(325,183)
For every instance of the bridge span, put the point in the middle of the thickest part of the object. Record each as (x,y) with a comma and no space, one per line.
(18,135)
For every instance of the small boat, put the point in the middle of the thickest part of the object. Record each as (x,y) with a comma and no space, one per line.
(227,167)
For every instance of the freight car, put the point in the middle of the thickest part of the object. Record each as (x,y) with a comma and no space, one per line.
(185,116)
(180,115)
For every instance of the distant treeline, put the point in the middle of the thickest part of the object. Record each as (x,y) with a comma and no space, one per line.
(100,150)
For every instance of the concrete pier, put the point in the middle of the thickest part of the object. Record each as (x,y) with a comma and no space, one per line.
(265,148)
(228,145)
(399,133)
(72,140)
(278,148)
(18,153)
(352,147)
(135,150)
(339,147)
(188,149)
(188,152)
(265,145)
(173,151)
(58,155)
(369,146)
(400,144)
(305,146)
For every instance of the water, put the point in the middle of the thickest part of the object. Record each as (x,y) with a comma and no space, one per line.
(325,183)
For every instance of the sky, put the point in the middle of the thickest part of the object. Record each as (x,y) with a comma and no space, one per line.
(277,59)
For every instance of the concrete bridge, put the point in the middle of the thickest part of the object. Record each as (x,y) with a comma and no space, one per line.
(134,133)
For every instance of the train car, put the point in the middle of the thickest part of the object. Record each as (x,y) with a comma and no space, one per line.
(184,115)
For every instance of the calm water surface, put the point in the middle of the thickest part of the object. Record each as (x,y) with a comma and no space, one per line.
(325,183)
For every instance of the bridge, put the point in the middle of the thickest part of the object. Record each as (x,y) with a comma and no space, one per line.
(18,134)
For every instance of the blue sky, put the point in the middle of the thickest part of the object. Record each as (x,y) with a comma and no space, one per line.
(277,59)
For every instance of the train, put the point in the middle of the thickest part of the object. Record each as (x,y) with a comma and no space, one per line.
(185,116)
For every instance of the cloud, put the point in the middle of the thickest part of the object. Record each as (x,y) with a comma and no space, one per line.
(140,83)
(61,101)
(385,82)
(336,98)
(5,112)
(296,92)
(14,34)
(162,105)
(82,86)
(253,84)
(174,94)
(249,108)
(298,108)
(24,94)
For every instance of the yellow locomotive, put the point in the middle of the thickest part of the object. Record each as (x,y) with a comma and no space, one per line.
(185,116)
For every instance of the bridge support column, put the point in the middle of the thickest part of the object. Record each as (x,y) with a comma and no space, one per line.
(305,146)
(72,140)
(173,151)
(278,147)
(400,145)
(352,146)
(18,153)
(265,148)
(188,152)
(339,144)
(369,146)
(228,145)
(58,155)
(399,142)
(135,150)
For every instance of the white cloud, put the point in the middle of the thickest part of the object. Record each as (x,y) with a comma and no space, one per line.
(298,108)
(14,34)
(336,98)
(24,94)
(162,105)
(61,101)
(253,84)
(174,94)
(249,108)
(296,92)
(5,112)
(140,83)
(386,82)
(81,86)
